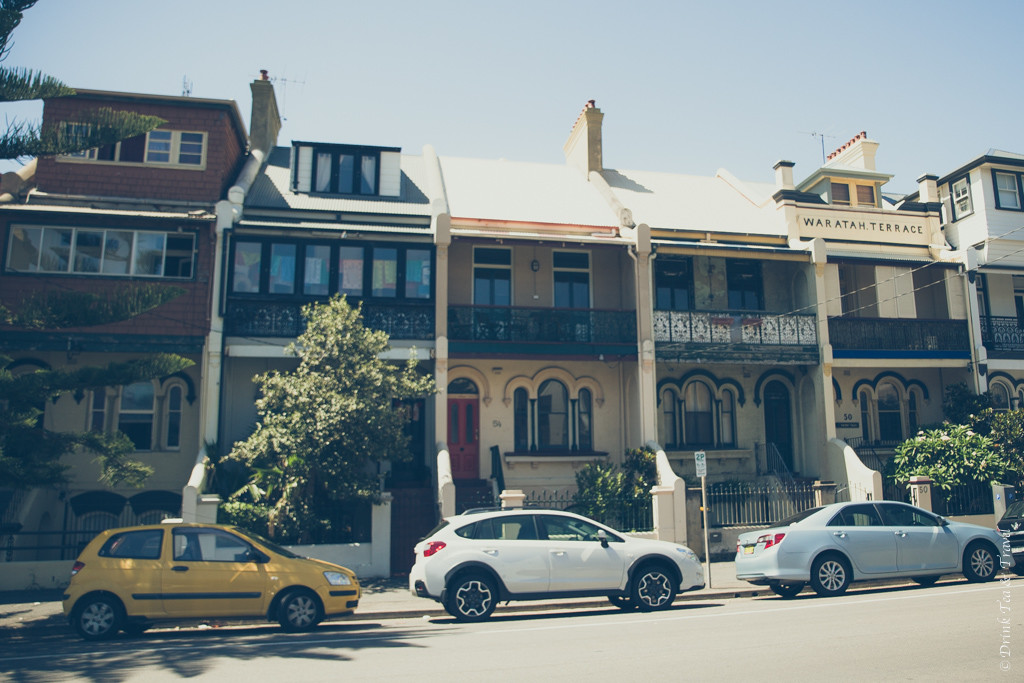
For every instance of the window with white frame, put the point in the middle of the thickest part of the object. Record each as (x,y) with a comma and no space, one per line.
(555,420)
(727,418)
(668,427)
(960,193)
(698,416)
(98,410)
(100,251)
(161,147)
(584,421)
(1007,186)
(890,418)
(552,416)
(135,414)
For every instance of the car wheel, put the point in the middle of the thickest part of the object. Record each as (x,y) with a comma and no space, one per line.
(925,580)
(653,588)
(97,617)
(787,590)
(830,575)
(622,602)
(471,597)
(299,610)
(980,562)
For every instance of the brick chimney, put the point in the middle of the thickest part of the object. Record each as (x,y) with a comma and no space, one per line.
(265,122)
(583,148)
(859,152)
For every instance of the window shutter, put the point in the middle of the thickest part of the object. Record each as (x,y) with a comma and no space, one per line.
(303,163)
(390,174)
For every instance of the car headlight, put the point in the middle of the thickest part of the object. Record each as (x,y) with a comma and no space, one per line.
(337,579)
(689,554)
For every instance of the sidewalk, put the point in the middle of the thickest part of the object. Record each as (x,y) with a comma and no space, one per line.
(24,614)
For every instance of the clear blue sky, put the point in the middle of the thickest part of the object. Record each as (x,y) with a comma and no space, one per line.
(686,87)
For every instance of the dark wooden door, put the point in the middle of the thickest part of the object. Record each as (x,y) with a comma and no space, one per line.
(464,437)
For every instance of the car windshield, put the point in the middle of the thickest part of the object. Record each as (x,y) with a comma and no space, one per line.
(1015,511)
(269,545)
(798,517)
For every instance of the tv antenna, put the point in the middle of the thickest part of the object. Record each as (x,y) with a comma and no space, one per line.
(816,134)
(284,92)
(186,86)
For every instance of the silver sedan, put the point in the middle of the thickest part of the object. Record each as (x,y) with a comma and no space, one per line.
(832,546)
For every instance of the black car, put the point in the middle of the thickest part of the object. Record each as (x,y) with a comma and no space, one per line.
(1012,528)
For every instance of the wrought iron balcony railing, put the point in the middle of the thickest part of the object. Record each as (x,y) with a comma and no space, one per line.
(928,337)
(730,327)
(516,324)
(284,319)
(1003,336)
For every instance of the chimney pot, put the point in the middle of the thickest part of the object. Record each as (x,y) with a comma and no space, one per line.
(264,75)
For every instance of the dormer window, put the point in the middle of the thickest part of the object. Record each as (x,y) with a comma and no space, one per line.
(174,148)
(840,193)
(346,170)
(866,195)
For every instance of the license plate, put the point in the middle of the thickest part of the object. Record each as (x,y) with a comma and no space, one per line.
(748,550)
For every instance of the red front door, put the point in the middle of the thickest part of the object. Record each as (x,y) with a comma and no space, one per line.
(464,437)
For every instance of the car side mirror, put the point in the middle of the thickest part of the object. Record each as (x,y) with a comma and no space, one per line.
(603,537)
(942,520)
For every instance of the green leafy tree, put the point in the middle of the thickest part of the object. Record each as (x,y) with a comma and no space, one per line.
(323,427)
(93,128)
(961,405)
(609,493)
(952,455)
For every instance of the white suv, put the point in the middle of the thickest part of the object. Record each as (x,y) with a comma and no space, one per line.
(472,561)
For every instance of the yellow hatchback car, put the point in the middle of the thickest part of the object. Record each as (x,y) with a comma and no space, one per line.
(128,578)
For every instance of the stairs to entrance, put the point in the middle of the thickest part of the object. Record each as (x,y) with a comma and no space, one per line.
(473,493)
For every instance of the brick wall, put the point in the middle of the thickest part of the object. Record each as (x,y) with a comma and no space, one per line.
(224,154)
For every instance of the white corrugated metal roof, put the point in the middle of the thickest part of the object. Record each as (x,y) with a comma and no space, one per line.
(272,190)
(520,191)
(719,203)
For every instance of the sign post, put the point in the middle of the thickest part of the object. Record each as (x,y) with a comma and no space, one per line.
(700,459)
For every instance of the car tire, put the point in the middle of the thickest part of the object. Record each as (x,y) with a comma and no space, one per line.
(471,597)
(787,589)
(299,610)
(654,588)
(622,602)
(830,575)
(981,563)
(98,616)
(925,580)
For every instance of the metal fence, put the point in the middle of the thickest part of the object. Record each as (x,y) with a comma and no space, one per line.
(970,499)
(750,504)
(625,513)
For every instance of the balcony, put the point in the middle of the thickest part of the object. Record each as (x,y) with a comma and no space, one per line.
(899,338)
(588,330)
(284,319)
(736,336)
(1003,336)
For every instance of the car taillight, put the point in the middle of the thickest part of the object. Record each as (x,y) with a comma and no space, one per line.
(770,539)
(433,547)
(76,567)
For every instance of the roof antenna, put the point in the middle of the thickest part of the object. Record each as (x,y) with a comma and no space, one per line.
(186,86)
(822,136)
(284,93)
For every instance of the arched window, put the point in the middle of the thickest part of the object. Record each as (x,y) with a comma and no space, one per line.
(552,416)
(865,415)
(668,428)
(912,422)
(521,411)
(698,420)
(172,417)
(1000,397)
(890,420)
(727,426)
(135,417)
(585,435)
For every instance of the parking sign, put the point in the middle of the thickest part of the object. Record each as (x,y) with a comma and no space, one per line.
(701,460)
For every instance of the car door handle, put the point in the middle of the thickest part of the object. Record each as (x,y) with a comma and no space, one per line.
(901,534)
(179,568)
(491,551)
(840,534)
(558,553)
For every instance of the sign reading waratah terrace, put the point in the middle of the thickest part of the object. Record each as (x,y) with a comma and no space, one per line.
(863,227)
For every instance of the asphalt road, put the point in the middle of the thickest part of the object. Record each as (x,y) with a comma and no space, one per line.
(947,632)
